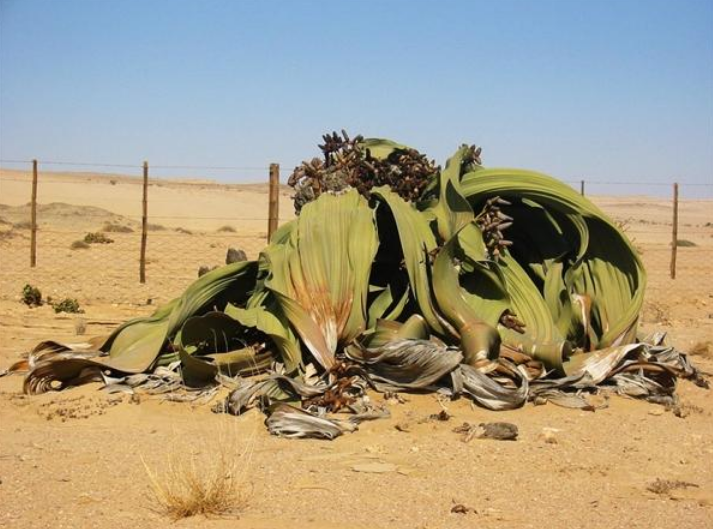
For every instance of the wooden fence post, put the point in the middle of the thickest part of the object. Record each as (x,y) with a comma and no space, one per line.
(581,187)
(33,217)
(674,231)
(274,208)
(144,225)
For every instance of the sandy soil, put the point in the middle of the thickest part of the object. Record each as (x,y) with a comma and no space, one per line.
(77,459)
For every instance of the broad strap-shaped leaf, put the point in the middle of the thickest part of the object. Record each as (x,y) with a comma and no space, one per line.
(407,363)
(417,244)
(380,148)
(541,338)
(212,344)
(321,275)
(385,306)
(605,280)
(475,323)
(136,345)
(452,211)
(279,332)
(414,328)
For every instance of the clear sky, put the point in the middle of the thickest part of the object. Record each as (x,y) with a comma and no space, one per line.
(602,90)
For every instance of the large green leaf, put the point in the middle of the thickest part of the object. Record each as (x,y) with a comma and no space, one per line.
(417,245)
(278,331)
(541,338)
(380,148)
(136,345)
(452,211)
(600,287)
(473,319)
(212,344)
(321,275)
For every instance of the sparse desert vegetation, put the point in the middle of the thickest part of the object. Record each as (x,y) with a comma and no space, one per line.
(420,465)
(97,238)
(211,480)
(685,243)
(31,296)
(69,305)
(116,228)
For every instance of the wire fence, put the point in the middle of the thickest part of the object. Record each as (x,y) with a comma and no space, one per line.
(192,223)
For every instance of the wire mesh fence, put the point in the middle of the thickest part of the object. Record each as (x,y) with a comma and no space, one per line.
(89,230)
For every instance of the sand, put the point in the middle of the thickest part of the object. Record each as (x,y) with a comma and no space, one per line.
(77,458)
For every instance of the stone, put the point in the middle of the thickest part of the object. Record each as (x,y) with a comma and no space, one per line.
(235,256)
(549,435)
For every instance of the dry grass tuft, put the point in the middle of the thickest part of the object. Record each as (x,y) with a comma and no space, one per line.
(116,228)
(210,481)
(666,486)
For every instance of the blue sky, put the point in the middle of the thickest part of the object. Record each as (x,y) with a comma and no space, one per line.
(601,90)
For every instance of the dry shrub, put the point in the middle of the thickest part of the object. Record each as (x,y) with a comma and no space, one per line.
(7,235)
(79,245)
(684,243)
(116,228)
(97,238)
(22,225)
(155,227)
(226,229)
(209,481)
(183,231)
(80,326)
(666,486)
(684,409)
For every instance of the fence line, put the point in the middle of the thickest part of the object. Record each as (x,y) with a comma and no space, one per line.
(272,220)
(152,247)
(581,183)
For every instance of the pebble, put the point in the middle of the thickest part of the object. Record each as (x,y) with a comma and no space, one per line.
(549,435)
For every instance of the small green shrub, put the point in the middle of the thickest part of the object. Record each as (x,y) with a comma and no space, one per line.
(70,305)
(97,238)
(683,243)
(31,296)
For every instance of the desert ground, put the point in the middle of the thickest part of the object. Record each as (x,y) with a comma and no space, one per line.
(84,458)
